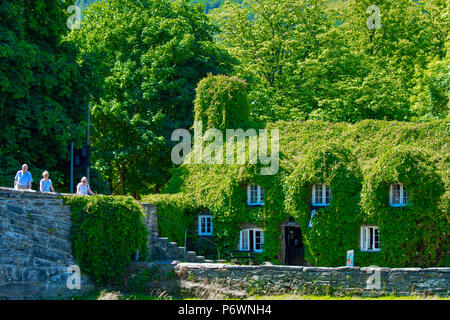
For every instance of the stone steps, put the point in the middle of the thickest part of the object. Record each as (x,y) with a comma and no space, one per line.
(169,250)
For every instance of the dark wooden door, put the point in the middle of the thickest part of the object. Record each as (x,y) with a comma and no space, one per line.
(295,252)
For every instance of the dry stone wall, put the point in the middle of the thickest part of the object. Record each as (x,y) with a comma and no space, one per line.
(35,247)
(272,280)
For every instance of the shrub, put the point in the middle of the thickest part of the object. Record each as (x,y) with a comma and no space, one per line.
(106,232)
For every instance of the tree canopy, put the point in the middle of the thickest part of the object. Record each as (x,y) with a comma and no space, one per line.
(139,62)
(150,54)
(43,89)
(313,59)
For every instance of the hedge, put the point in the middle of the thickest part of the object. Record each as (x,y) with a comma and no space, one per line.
(106,232)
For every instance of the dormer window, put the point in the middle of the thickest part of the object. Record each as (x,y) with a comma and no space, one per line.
(321,195)
(255,195)
(398,196)
(205,227)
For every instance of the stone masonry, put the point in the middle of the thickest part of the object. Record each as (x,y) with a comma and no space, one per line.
(161,248)
(35,247)
(35,252)
(272,279)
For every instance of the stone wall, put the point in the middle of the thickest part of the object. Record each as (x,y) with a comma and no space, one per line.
(151,223)
(35,247)
(272,280)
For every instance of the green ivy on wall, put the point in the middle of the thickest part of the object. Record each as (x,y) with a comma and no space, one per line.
(106,232)
(357,161)
(416,234)
(221,102)
(350,159)
(334,227)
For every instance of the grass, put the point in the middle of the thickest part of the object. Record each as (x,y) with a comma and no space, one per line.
(117,295)
(313,297)
(113,295)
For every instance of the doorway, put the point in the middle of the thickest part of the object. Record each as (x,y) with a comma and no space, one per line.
(295,252)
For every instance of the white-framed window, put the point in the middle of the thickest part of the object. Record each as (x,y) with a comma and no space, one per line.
(370,238)
(205,226)
(321,195)
(255,195)
(251,240)
(398,196)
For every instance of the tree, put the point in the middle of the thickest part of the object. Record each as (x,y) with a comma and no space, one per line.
(269,38)
(151,54)
(43,90)
(314,59)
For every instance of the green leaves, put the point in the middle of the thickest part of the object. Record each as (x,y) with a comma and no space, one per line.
(221,102)
(415,235)
(318,59)
(43,90)
(150,55)
(106,232)
(357,161)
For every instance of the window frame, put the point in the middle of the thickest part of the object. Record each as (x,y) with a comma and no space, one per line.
(364,240)
(206,217)
(247,238)
(323,192)
(259,195)
(403,196)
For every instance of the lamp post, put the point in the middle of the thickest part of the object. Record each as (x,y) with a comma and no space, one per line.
(71,167)
(88,143)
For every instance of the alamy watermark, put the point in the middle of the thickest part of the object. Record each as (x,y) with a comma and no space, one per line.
(74,21)
(374,21)
(74,280)
(209,147)
(374,281)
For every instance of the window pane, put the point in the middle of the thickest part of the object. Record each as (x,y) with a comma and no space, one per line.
(396,192)
(202,225)
(244,240)
(318,194)
(327,194)
(371,239)
(257,240)
(261,194)
(364,239)
(405,196)
(253,194)
(377,239)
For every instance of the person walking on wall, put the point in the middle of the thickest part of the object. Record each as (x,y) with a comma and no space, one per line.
(23,179)
(46,184)
(83,187)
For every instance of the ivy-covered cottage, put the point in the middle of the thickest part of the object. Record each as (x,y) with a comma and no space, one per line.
(380,188)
